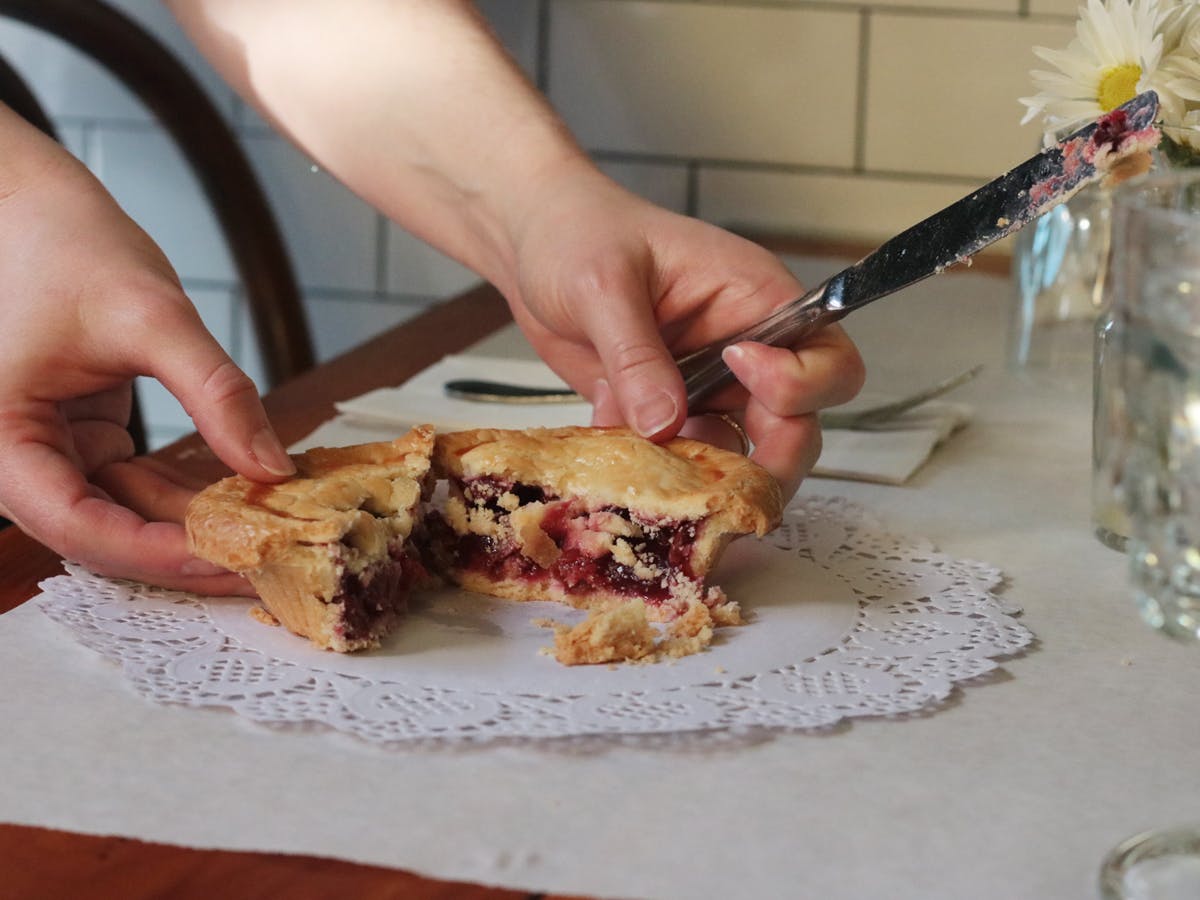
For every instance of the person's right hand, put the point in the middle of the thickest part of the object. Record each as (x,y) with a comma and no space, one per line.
(87,302)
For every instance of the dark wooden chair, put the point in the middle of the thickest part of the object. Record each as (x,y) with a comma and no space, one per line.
(170,91)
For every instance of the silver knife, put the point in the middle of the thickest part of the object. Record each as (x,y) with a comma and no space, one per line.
(951,236)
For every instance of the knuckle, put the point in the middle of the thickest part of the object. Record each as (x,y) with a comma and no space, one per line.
(227,382)
(629,356)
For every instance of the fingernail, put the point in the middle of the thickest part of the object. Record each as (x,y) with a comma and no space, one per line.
(601,392)
(654,413)
(733,355)
(201,567)
(269,453)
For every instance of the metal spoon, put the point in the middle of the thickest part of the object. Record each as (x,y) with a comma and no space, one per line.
(483,391)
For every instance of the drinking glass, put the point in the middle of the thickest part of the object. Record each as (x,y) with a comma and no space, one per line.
(1156,461)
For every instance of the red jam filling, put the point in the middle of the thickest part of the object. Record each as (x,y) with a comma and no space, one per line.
(665,546)
(1111,129)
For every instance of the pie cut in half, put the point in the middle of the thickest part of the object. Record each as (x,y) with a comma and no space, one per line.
(594,517)
(328,550)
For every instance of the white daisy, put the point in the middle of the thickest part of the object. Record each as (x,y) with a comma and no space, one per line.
(1179,73)
(1114,56)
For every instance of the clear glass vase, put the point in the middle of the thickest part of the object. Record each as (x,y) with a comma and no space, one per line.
(1058,270)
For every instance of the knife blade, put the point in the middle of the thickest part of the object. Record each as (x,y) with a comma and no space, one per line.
(946,238)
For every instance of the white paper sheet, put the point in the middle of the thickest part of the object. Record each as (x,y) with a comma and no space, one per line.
(889,455)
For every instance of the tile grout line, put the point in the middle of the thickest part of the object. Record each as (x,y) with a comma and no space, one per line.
(541,65)
(860,100)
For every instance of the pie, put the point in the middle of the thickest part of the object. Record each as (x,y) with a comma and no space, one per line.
(328,550)
(594,517)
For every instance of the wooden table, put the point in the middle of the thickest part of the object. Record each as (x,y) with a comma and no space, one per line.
(38,862)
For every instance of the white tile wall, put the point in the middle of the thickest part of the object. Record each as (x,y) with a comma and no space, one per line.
(707,81)
(966,125)
(333,236)
(148,176)
(839,118)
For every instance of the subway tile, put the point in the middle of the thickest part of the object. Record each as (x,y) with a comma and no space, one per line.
(340,323)
(663,183)
(836,207)
(74,137)
(160,409)
(959,115)
(331,234)
(149,177)
(708,81)
(1012,7)
(413,267)
(66,83)
(70,83)
(515,23)
(1066,8)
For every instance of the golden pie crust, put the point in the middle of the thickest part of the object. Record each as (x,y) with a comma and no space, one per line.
(310,543)
(601,472)
(334,550)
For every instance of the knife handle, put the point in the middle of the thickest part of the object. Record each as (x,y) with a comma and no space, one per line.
(703,370)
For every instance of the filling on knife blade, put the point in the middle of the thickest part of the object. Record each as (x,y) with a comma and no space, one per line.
(1113,148)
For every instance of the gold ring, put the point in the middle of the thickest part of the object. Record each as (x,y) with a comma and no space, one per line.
(743,438)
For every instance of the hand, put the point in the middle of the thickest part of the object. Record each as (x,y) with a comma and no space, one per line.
(88,301)
(609,288)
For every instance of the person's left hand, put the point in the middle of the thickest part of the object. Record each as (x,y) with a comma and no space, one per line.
(610,288)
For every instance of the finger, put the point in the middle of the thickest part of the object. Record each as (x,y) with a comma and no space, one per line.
(53,503)
(145,489)
(716,429)
(638,367)
(99,443)
(605,411)
(786,446)
(824,372)
(113,405)
(221,399)
(193,483)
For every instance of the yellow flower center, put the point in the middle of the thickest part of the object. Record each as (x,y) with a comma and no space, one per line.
(1118,85)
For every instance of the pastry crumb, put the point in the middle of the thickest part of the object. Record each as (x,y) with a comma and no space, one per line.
(689,634)
(624,634)
(258,614)
(1127,661)
(613,635)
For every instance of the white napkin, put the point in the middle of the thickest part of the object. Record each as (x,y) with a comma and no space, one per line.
(889,455)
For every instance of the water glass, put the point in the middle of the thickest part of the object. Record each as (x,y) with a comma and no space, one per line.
(1153,460)
(1156,268)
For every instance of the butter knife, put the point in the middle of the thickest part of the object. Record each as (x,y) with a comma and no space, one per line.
(946,238)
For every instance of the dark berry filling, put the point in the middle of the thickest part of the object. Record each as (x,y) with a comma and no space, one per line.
(377,594)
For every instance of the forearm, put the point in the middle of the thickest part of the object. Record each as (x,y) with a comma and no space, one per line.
(411,104)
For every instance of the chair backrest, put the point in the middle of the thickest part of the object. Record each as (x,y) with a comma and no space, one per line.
(170,91)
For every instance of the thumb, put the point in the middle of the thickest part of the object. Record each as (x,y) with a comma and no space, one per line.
(222,401)
(640,371)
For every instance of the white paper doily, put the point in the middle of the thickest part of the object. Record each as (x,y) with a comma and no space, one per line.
(847,621)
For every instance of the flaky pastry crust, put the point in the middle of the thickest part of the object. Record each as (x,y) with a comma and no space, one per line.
(346,514)
(683,481)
